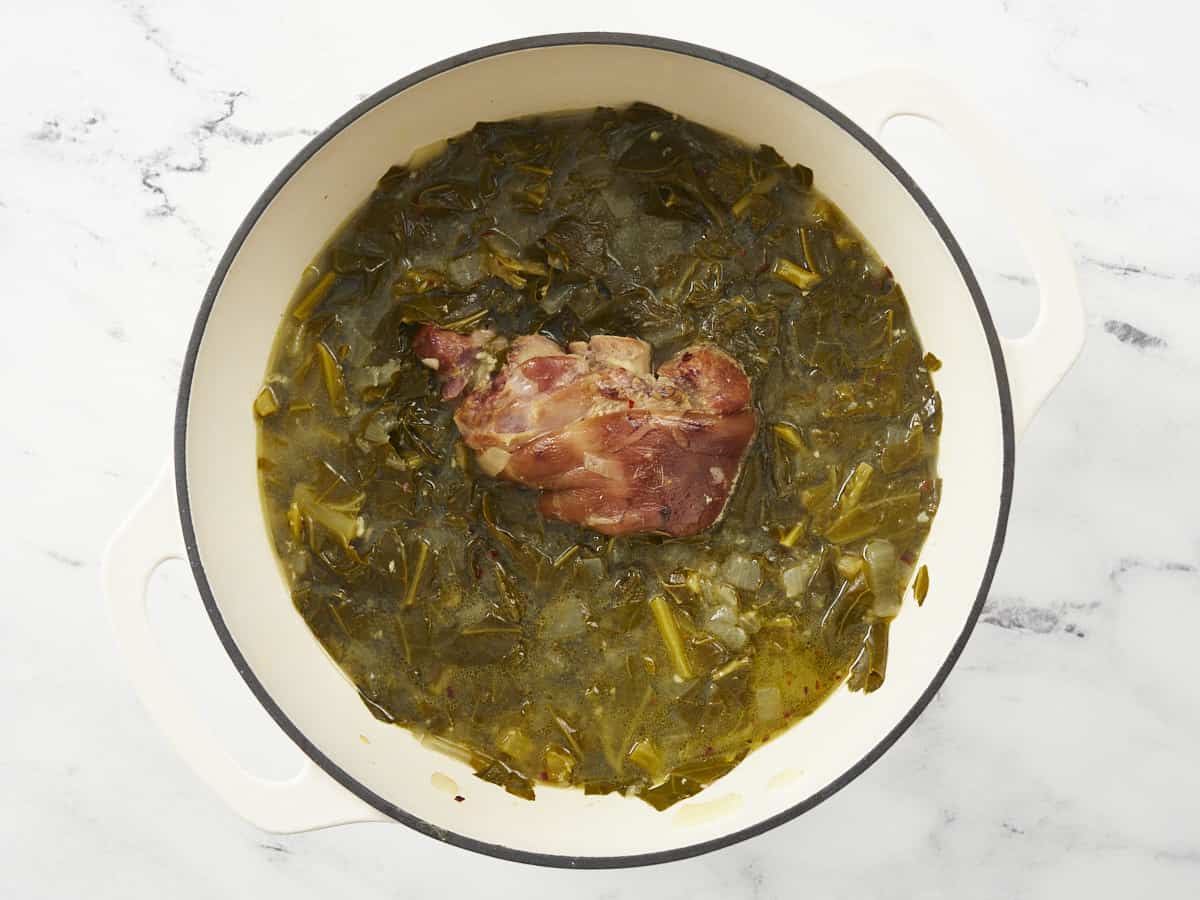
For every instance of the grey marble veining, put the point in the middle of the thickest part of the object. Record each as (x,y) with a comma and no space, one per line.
(1060,758)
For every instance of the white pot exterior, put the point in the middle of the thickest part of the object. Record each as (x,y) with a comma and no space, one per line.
(232,554)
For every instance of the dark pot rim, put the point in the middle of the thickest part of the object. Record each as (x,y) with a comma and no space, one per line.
(181,420)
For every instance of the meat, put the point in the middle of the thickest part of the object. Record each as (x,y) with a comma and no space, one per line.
(611,445)
(461,360)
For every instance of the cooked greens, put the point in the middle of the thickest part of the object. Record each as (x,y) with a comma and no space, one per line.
(537,650)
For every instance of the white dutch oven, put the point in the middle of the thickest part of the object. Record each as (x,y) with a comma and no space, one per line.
(990,387)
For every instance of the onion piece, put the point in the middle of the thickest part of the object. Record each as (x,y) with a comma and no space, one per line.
(880,559)
(768,705)
(797,578)
(742,572)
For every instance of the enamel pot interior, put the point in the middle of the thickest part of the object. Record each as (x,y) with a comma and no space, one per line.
(233,560)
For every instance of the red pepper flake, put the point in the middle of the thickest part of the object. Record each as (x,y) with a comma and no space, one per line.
(708,751)
(459,798)
(494,554)
(544,775)
(450,691)
(806,690)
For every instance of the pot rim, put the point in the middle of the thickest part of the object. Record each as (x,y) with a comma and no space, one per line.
(279,182)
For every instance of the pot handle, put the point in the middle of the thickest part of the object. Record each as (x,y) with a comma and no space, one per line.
(309,800)
(1037,362)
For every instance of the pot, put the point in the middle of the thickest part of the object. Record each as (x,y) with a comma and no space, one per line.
(207,507)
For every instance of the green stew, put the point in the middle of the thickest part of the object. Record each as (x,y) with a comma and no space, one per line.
(540,651)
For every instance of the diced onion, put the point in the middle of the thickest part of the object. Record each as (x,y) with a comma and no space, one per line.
(723,615)
(726,632)
(767,704)
(880,559)
(742,572)
(796,578)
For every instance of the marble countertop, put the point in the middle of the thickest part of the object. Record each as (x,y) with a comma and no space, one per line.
(1059,760)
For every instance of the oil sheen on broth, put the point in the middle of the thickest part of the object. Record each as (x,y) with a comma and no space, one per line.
(540,651)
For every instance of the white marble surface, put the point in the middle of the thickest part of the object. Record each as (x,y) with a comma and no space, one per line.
(1060,759)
